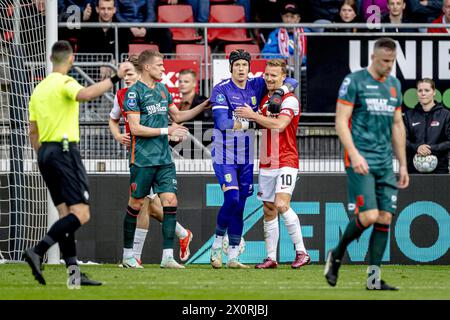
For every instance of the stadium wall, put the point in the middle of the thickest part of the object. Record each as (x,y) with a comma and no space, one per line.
(420,233)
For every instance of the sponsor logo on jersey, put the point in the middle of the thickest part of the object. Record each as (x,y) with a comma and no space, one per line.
(434,124)
(379,105)
(220,98)
(415,124)
(254,100)
(344,87)
(369,86)
(155,108)
(163,95)
(360,200)
(131,95)
(131,103)
(228,177)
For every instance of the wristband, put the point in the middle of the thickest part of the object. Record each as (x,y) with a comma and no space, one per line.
(164,131)
(114,79)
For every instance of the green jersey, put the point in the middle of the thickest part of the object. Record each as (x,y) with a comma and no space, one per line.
(374,103)
(153,107)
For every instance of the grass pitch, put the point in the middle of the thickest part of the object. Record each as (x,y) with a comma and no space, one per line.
(201,282)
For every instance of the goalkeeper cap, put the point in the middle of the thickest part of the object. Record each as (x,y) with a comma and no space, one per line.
(239,54)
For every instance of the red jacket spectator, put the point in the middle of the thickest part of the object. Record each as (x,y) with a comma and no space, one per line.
(441,19)
(444,18)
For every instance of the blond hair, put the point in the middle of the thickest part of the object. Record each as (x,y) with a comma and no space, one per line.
(278,63)
(146,56)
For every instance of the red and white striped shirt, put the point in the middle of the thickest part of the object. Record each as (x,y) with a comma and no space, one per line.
(279,149)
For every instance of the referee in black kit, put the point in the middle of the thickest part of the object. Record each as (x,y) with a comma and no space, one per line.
(54,135)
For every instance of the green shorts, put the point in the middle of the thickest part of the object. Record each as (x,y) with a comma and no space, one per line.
(161,178)
(376,190)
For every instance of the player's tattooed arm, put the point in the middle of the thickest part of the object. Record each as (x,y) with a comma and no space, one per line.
(279,123)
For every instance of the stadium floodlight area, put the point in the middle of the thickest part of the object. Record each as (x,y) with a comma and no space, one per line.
(23,195)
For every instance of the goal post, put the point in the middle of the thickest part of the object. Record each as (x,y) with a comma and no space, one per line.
(24,201)
(51,36)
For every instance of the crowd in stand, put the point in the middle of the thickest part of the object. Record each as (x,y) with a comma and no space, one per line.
(287,11)
(269,43)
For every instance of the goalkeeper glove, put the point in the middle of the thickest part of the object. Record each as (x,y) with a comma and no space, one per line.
(275,101)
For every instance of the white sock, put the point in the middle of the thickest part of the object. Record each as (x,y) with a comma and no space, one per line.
(139,240)
(233,252)
(127,253)
(271,236)
(217,242)
(292,223)
(167,254)
(180,231)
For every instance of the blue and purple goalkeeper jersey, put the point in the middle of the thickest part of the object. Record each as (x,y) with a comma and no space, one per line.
(234,147)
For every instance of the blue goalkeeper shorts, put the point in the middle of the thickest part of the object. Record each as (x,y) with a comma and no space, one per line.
(235,175)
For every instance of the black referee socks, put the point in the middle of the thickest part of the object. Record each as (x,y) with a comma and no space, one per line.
(67,225)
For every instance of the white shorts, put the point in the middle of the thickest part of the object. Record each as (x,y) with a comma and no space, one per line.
(272,181)
(152,195)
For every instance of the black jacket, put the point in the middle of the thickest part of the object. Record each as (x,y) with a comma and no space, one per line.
(432,128)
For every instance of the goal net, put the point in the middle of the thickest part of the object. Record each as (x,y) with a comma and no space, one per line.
(23,195)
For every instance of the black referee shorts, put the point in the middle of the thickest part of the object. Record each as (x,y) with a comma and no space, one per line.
(64,173)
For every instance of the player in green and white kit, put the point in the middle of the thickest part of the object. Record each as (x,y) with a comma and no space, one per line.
(148,105)
(370,126)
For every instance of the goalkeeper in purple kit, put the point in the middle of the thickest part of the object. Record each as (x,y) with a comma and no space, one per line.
(233,149)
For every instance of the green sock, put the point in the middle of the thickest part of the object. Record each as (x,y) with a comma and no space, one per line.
(168,226)
(377,244)
(353,231)
(129,226)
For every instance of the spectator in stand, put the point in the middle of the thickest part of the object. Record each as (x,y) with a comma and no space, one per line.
(281,41)
(264,11)
(424,11)
(428,128)
(200,8)
(246,5)
(187,85)
(323,11)
(444,18)
(397,15)
(348,14)
(102,40)
(65,12)
(368,11)
(144,11)
(74,11)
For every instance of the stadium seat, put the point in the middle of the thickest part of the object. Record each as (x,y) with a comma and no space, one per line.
(193,52)
(253,49)
(179,14)
(138,48)
(231,14)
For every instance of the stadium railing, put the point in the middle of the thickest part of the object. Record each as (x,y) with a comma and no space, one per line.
(319,148)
